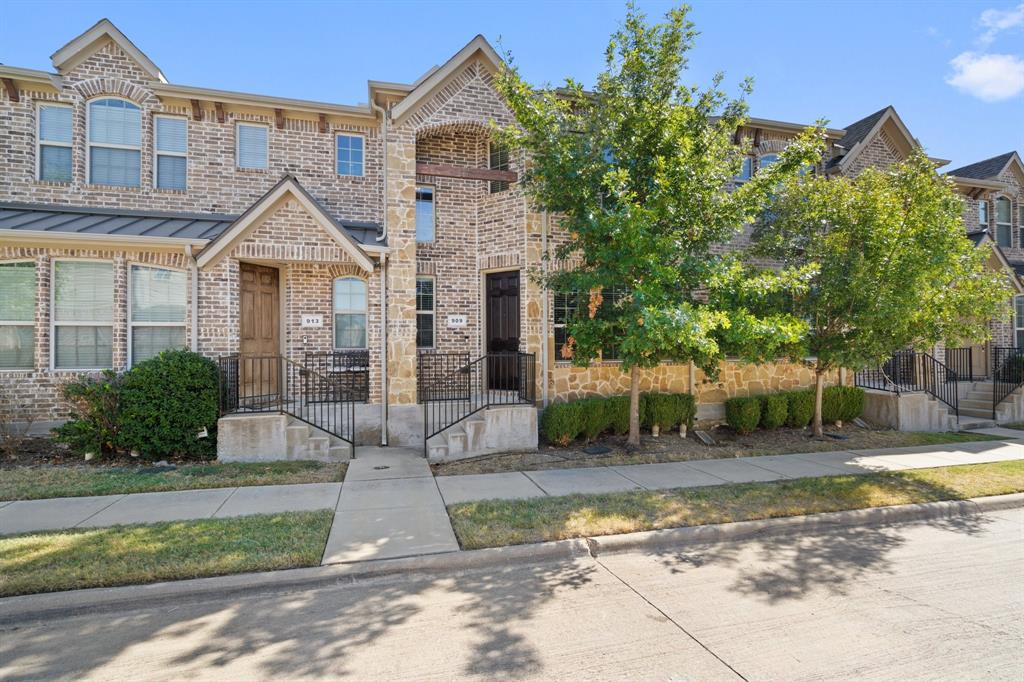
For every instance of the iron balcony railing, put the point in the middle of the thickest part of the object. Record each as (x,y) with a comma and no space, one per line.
(1007,373)
(909,372)
(349,371)
(452,387)
(274,384)
(961,362)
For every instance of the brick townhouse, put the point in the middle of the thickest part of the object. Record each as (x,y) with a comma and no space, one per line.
(320,251)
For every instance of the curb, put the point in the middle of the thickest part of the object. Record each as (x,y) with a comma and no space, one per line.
(44,606)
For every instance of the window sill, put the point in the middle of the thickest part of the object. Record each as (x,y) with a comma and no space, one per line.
(260,171)
(353,178)
(168,190)
(119,188)
(52,183)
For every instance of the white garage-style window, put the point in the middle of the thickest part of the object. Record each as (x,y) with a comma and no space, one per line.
(1004,223)
(251,140)
(53,156)
(83,315)
(157,318)
(349,159)
(349,313)
(424,312)
(170,146)
(115,143)
(17,314)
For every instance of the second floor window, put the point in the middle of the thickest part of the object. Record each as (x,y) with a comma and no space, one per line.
(350,155)
(17,314)
(745,170)
(115,143)
(171,147)
(498,161)
(983,213)
(1004,224)
(54,155)
(424,312)
(251,146)
(424,214)
(767,160)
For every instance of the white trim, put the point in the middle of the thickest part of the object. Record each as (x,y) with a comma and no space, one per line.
(103,28)
(247,99)
(365,312)
(362,164)
(142,242)
(130,340)
(432,312)
(79,323)
(1018,324)
(238,158)
(995,216)
(89,144)
(157,153)
(856,150)
(35,312)
(40,143)
(433,211)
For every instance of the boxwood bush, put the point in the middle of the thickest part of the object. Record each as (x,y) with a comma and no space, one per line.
(662,410)
(166,402)
(562,422)
(743,414)
(617,410)
(841,403)
(774,410)
(801,408)
(594,417)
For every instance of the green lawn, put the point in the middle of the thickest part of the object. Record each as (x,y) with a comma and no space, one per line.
(511,522)
(128,555)
(32,483)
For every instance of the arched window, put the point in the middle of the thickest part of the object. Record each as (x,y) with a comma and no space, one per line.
(766,160)
(1004,224)
(115,142)
(349,313)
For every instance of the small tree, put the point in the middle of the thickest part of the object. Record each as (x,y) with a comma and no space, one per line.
(637,171)
(876,264)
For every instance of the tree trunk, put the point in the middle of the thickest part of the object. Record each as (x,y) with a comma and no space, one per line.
(634,407)
(819,388)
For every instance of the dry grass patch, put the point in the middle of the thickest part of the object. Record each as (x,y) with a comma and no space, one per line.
(497,523)
(130,555)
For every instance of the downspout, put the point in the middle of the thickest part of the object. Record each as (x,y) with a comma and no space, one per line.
(193,267)
(544,307)
(383,279)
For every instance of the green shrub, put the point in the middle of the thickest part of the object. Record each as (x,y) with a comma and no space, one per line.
(95,405)
(563,422)
(801,408)
(166,402)
(774,410)
(663,410)
(617,410)
(743,414)
(594,417)
(841,403)
(687,408)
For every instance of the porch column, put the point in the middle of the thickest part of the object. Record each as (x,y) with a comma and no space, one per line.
(401,270)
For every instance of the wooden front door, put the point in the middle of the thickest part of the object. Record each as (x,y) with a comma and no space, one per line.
(503,330)
(980,361)
(260,341)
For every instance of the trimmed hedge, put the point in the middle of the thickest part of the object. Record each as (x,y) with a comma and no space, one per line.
(841,403)
(801,408)
(774,410)
(593,417)
(743,414)
(563,422)
(617,408)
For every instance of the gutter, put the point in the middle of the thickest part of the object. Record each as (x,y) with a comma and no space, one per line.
(193,267)
(383,280)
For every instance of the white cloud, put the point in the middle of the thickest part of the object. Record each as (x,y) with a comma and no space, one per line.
(996,21)
(989,77)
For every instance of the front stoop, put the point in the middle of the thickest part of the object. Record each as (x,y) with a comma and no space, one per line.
(276,437)
(495,429)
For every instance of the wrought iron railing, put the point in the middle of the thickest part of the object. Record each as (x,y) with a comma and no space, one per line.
(349,370)
(909,372)
(275,384)
(1007,373)
(452,387)
(961,362)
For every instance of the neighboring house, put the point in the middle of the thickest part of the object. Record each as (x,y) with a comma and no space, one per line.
(314,250)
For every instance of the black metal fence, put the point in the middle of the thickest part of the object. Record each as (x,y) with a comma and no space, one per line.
(275,384)
(961,362)
(1007,373)
(909,372)
(452,387)
(349,372)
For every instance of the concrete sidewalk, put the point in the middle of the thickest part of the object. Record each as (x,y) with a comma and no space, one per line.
(554,482)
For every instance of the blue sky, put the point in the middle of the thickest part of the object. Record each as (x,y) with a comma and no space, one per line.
(954,71)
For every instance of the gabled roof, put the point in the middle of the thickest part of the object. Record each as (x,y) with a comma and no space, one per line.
(980,237)
(989,168)
(436,78)
(84,45)
(860,134)
(255,214)
(858,130)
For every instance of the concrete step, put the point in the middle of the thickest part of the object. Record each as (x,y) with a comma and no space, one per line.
(980,414)
(456,441)
(296,434)
(437,452)
(975,423)
(340,453)
(318,446)
(976,404)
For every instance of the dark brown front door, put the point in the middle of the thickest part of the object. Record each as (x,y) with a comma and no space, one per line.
(503,330)
(260,341)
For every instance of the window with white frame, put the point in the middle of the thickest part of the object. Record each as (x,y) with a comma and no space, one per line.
(83,314)
(157,319)
(498,160)
(424,312)
(1018,321)
(170,142)
(17,314)
(424,213)
(563,309)
(766,160)
(251,140)
(983,213)
(115,143)
(54,153)
(1004,223)
(350,155)
(745,169)
(349,313)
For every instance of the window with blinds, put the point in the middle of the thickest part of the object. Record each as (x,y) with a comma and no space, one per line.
(115,143)
(424,312)
(424,213)
(498,160)
(17,315)
(1004,224)
(251,143)
(54,143)
(171,151)
(349,313)
(83,315)
(157,319)
(564,306)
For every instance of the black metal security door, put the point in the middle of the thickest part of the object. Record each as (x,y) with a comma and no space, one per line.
(503,330)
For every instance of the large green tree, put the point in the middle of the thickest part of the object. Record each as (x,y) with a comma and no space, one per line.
(637,171)
(876,264)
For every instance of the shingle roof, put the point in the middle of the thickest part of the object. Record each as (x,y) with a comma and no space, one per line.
(983,170)
(977,236)
(857,131)
(103,221)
